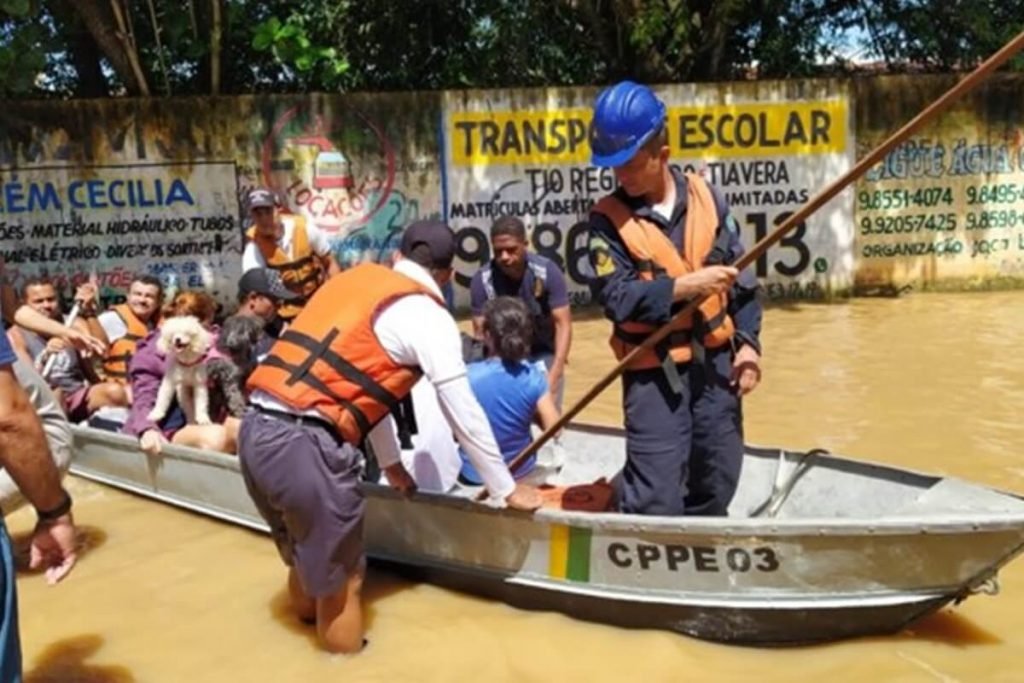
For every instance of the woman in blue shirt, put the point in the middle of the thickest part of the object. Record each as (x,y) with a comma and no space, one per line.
(512,390)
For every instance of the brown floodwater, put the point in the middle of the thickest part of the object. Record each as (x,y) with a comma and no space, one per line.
(931,382)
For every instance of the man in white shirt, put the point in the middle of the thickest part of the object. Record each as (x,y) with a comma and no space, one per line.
(332,379)
(431,455)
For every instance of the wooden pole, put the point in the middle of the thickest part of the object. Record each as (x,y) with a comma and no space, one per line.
(813,204)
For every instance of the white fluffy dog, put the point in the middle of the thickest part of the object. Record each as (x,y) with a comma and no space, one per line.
(185,343)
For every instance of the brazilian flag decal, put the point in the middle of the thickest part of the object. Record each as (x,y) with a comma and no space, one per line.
(569,553)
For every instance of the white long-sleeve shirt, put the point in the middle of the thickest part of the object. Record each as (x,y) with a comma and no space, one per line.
(416,331)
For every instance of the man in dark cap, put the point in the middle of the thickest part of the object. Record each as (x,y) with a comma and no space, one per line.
(298,250)
(261,293)
(331,381)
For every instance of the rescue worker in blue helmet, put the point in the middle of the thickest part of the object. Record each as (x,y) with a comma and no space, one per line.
(660,240)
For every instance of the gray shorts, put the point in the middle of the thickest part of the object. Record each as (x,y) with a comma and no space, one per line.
(304,481)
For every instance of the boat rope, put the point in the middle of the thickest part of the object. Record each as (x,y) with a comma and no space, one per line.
(783,485)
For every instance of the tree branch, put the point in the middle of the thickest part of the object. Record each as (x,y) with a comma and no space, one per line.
(104,22)
(159,47)
(215,35)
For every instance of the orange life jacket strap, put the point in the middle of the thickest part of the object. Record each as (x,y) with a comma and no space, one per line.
(292,265)
(130,322)
(668,366)
(677,338)
(321,350)
(715,322)
(128,325)
(647,268)
(297,375)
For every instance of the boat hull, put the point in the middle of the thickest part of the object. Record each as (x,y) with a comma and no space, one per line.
(740,579)
(764,626)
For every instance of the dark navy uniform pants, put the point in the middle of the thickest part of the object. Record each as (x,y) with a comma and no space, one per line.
(683,451)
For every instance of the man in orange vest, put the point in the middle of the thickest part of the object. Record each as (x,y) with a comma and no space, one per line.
(660,240)
(124,325)
(73,380)
(331,381)
(296,249)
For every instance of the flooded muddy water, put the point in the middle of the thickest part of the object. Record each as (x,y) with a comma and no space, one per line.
(930,382)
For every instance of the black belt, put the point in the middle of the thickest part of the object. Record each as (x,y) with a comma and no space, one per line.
(301,420)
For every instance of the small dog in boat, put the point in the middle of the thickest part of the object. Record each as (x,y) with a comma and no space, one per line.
(186,344)
(236,359)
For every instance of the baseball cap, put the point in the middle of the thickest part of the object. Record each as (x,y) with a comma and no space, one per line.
(438,238)
(261,197)
(267,282)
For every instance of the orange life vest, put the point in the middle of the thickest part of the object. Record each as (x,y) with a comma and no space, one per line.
(330,360)
(302,272)
(115,363)
(654,255)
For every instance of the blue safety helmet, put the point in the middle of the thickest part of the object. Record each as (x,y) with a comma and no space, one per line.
(626,116)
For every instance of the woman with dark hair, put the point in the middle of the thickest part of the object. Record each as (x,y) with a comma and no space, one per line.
(512,390)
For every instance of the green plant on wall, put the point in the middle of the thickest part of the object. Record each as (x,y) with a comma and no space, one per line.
(293,48)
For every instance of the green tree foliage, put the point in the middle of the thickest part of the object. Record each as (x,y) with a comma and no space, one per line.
(24,46)
(942,35)
(99,48)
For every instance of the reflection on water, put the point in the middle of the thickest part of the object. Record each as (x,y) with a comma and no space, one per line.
(929,382)
(66,662)
(950,627)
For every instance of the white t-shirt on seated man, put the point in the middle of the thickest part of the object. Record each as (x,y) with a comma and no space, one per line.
(319,243)
(433,461)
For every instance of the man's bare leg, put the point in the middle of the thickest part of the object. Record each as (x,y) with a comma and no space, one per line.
(304,606)
(106,394)
(339,617)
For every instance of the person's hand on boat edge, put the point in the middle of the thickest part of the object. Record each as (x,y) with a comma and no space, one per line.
(54,547)
(400,479)
(746,370)
(525,498)
(151,441)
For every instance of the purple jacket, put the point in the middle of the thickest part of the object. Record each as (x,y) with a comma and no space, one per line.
(145,372)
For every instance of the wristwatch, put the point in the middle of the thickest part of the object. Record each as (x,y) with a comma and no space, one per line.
(63,508)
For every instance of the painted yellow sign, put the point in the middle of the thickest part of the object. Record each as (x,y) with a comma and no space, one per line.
(758,129)
(517,137)
(719,132)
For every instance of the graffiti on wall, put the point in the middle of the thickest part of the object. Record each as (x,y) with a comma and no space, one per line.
(944,207)
(66,223)
(153,186)
(532,160)
(338,169)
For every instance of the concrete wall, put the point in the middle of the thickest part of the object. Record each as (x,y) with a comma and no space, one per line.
(124,186)
(766,145)
(946,209)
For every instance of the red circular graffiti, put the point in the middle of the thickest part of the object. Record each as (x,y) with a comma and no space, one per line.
(386,148)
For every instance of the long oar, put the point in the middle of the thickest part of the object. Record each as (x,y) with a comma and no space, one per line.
(815,203)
